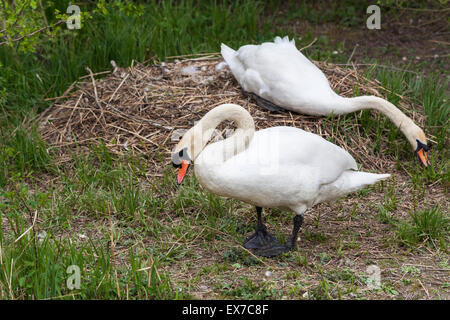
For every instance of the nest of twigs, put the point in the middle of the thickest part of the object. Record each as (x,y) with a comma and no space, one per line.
(139,109)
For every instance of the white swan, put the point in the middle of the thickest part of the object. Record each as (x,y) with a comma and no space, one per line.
(284,78)
(283,167)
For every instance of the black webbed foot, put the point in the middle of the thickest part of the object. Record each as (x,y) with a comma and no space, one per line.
(272,251)
(266,245)
(260,239)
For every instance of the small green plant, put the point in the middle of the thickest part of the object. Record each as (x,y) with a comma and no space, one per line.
(390,197)
(315,236)
(323,291)
(411,270)
(324,257)
(384,216)
(22,152)
(251,290)
(430,226)
(389,289)
(345,275)
(302,260)
(235,256)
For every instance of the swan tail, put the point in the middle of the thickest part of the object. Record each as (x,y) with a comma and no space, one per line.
(230,57)
(355,180)
(349,181)
(279,40)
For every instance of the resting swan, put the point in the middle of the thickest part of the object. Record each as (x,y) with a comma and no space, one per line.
(283,167)
(285,79)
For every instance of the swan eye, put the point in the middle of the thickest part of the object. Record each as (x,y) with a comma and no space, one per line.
(176,163)
(178,157)
(421,145)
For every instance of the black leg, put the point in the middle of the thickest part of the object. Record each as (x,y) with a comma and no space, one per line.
(266,104)
(274,250)
(298,220)
(261,238)
(259,214)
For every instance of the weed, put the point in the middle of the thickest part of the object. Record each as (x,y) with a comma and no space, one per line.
(430,225)
(234,256)
(250,290)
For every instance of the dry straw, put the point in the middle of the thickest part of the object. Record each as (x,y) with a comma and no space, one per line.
(137,109)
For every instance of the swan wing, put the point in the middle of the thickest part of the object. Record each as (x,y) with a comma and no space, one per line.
(295,147)
(282,166)
(284,76)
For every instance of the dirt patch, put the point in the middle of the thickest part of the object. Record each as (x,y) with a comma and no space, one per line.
(409,38)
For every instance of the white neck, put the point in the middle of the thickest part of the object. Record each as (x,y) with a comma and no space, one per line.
(405,124)
(236,143)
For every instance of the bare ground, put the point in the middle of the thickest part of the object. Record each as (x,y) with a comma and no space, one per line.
(415,39)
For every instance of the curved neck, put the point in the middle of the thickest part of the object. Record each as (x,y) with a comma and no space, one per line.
(236,143)
(405,124)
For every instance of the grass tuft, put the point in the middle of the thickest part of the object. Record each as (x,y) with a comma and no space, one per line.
(427,226)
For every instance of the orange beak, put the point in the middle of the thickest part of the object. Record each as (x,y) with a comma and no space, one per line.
(182,171)
(423,157)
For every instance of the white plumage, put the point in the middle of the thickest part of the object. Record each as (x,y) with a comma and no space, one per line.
(278,72)
(281,74)
(281,167)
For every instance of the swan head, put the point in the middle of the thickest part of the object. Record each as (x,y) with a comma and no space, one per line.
(182,161)
(419,144)
(195,139)
(186,150)
(421,151)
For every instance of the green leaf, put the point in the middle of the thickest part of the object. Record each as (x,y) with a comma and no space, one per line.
(22,281)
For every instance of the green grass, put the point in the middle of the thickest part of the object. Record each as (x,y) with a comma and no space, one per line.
(165,29)
(425,92)
(35,265)
(249,290)
(349,14)
(38,270)
(22,153)
(166,235)
(425,226)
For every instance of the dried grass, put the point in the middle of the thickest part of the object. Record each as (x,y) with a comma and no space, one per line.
(139,107)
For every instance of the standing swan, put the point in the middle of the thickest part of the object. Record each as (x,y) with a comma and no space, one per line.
(281,77)
(281,167)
